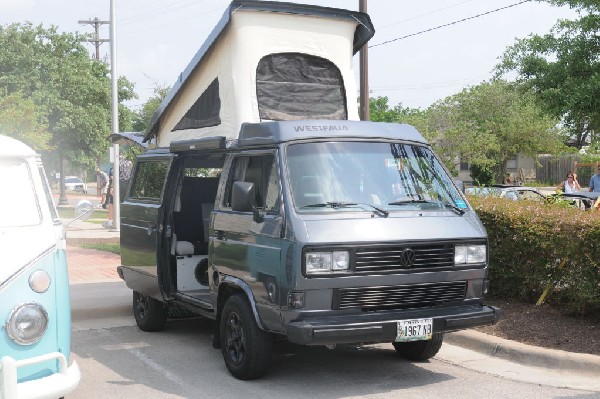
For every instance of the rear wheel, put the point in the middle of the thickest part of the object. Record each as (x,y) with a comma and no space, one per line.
(245,347)
(420,350)
(150,314)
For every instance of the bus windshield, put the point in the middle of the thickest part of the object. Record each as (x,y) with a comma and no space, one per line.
(18,202)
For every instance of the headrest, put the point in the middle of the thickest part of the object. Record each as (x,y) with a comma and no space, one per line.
(184,248)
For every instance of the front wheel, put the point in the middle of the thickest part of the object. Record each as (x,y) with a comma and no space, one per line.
(150,314)
(245,347)
(420,350)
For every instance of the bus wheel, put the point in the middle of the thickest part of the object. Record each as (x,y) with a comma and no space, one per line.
(150,314)
(420,350)
(245,347)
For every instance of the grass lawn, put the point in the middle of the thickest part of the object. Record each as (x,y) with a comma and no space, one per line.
(69,213)
(115,248)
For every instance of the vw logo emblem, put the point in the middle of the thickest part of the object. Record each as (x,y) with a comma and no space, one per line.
(407,257)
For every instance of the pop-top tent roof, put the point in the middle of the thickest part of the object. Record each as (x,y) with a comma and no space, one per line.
(265,60)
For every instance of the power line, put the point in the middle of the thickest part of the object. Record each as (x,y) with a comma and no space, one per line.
(423,15)
(450,23)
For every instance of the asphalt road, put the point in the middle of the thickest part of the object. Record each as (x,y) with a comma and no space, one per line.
(117,360)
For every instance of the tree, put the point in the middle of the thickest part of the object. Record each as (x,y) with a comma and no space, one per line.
(489,124)
(127,117)
(70,90)
(150,106)
(562,68)
(20,119)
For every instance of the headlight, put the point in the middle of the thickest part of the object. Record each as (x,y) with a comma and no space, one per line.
(327,262)
(27,323)
(467,254)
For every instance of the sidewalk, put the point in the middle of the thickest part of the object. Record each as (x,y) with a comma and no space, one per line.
(469,349)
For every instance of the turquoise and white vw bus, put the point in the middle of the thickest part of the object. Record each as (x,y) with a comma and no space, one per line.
(35,312)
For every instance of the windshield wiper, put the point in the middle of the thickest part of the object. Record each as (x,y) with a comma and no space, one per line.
(382,212)
(330,204)
(454,208)
(410,201)
(341,204)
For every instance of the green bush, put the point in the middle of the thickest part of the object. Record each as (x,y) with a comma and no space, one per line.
(534,244)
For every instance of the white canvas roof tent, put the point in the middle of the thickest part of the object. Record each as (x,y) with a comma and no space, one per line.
(265,61)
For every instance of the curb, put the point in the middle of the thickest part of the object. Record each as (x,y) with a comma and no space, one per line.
(517,352)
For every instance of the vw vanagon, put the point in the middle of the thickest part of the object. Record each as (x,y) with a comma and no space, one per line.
(269,208)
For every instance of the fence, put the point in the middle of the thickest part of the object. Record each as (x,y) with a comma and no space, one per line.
(552,170)
(585,171)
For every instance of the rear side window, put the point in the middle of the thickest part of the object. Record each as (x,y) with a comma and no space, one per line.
(149,180)
(294,86)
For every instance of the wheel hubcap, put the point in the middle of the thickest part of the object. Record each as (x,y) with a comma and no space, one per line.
(142,305)
(235,338)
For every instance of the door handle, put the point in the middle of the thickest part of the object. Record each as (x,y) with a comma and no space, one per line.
(219,234)
(151,228)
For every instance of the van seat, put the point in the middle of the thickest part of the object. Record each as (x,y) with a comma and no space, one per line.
(184,248)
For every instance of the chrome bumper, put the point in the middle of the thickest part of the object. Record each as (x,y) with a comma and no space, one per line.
(51,387)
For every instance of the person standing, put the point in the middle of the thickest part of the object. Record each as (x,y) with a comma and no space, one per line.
(102,184)
(595,181)
(108,203)
(570,185)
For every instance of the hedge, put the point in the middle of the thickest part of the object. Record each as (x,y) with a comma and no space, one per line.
(535,245)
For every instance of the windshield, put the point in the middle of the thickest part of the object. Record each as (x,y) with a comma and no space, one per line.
(354,175)
(18,205)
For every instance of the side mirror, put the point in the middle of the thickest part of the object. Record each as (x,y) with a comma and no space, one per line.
(242,199)
(83,210)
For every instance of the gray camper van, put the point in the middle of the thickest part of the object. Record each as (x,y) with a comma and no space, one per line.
(298,222)
(322,232)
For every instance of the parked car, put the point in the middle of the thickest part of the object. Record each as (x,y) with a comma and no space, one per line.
(507,191)
(34,287)
(76,184)
(584,200)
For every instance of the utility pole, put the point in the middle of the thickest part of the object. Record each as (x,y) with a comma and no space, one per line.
(96,23)
(115,114)
(364,73)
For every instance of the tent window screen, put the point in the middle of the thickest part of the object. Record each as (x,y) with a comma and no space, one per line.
(205,111)
(293,86)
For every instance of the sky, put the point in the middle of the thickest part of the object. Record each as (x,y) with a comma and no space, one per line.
(156,39)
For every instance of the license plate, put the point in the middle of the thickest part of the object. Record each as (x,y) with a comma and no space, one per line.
(414,330)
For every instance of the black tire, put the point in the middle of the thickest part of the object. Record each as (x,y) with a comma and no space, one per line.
(420,350)
(245,347)
(150,314)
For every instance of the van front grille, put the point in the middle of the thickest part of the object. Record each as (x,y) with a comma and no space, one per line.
(399,297)
(386,259)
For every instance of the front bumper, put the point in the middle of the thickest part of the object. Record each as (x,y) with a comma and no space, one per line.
(51,387)
(381,326)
